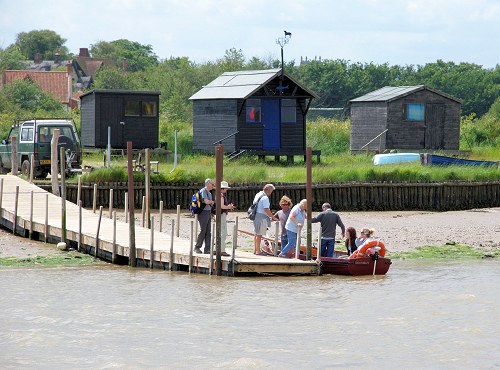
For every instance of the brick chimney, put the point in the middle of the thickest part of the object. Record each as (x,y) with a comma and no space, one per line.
(38,58)
(84,52)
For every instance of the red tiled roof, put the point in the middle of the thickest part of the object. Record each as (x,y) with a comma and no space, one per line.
(56,83)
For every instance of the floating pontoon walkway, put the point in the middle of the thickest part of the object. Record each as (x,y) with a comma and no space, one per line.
(46,224)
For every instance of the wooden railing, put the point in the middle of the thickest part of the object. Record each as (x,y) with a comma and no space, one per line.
(367,145)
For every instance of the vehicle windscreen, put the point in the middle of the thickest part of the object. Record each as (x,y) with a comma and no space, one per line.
(45,133)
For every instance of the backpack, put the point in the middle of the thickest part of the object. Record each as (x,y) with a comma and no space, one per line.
(252,210)
(197,204)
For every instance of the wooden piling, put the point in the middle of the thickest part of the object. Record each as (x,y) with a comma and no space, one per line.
(147,185)
(1,195)
(178,220)
(133,254)
(16,203)
(79,191)
(62,154)
(110,203)
(171,254)
(126,207)
(152,244)
(53,161)
(14,164)
(46,230)
(309,198)
(143,211)
(80,238)
(32,167)
(31,215)
(98,230)
(114,253)
(94,202)
(161,215)
(191,246)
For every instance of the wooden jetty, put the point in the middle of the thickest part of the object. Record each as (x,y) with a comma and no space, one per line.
(28,210)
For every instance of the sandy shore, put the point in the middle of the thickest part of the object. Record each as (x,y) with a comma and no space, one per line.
(400,231)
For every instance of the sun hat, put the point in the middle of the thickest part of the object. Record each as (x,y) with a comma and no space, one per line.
(224,185)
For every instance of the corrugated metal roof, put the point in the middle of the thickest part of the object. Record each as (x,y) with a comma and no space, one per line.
(388,93)
(236,85)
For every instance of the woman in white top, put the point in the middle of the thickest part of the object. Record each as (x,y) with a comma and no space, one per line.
(365,236)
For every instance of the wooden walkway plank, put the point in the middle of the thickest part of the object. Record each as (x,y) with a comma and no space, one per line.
(245,262)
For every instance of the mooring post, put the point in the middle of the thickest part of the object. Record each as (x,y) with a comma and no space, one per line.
(143,209)
(152,244)
(53,161)
(80,226)
(126,207)
(212,249)
(98,229)
(309,202)
(113,255)
(79,192)
(133,254)
(32,167)
(14,223)
(14,164)
(31,214)
(62,155)
(219,174)
(46,217)
(233,252)
(171,256)
(161,215)
(147,185)
(178,220)
(94,202)
(110,203)
(191,246)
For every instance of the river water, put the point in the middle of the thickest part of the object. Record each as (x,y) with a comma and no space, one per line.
(423,314)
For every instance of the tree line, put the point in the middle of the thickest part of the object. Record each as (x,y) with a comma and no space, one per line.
(334,81)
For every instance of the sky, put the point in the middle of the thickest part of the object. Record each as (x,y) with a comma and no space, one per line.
(397,32)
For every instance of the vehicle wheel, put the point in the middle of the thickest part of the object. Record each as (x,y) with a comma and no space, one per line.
(25,168)
(2,169)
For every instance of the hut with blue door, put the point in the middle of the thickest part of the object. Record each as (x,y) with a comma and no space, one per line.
(260,112)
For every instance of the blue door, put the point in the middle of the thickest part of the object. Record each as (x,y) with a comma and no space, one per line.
(271,124)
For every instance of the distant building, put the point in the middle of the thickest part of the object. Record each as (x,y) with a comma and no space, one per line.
(59,84)
(415,117)
(257,112)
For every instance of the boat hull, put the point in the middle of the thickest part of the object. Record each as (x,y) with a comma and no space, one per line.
(354,266)
(439,160)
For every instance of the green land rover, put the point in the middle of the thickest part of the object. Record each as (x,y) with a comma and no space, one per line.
(34,137)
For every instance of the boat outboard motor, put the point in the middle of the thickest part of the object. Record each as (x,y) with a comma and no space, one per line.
(374,257)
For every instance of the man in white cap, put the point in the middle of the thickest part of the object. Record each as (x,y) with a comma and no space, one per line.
(225,208)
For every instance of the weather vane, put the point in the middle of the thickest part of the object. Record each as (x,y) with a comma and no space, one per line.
(282,41)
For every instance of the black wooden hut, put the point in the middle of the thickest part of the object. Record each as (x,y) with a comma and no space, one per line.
(255,112)
(132,116)
(415,117)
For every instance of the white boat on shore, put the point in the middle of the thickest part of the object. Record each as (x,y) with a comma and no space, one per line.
(390,158)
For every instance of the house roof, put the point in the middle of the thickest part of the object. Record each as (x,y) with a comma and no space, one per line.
(56,83)
(240,84)
(121,92)
(90,66)
(390,93)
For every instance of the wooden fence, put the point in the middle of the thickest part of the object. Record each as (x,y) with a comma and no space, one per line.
(343,196)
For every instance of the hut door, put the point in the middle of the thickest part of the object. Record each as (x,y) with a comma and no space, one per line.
(111,112)
(270,124)
(434,126)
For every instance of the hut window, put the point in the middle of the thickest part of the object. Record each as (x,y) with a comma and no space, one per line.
(132,108)
(253,110)
(415,112)
(288,111)
(149,108)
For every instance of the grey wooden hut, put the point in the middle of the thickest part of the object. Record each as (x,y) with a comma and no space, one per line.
(405,117)
(132,116)
(256,112)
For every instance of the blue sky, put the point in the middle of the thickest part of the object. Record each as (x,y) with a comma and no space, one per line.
(399,32)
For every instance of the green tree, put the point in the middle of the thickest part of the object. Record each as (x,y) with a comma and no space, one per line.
(45,42)
(25,97)
(115,78)
(137,57)
(11,58)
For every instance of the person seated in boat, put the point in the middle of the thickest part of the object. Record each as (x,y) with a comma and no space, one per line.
(350,240)
(364,237)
